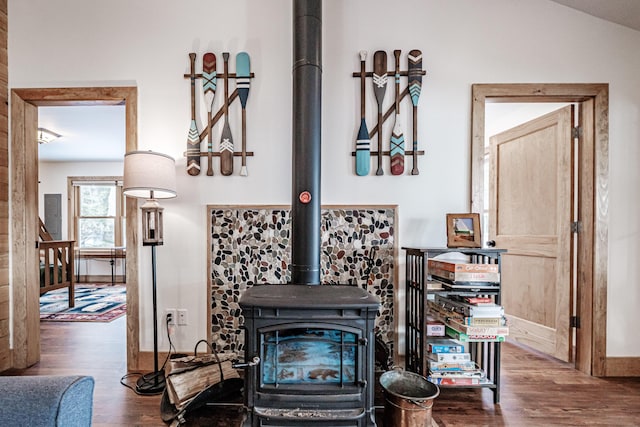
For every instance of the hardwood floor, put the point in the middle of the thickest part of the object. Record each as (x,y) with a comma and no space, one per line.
(536,390)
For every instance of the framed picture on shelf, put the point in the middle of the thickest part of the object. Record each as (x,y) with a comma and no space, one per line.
(463,230)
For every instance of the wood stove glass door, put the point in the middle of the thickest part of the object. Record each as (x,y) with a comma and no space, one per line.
(310,355)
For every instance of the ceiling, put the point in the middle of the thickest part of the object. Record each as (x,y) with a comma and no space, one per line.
(89,133)
(623,12)
(97,133)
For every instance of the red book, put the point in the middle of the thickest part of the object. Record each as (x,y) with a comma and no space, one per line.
(456,381)
(479,300)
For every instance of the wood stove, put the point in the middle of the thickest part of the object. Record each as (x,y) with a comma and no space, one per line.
(309,348)
(312,349)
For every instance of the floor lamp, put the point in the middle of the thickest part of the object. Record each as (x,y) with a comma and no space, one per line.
(149,175)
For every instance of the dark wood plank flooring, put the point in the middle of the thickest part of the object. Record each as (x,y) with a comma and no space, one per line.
(536,390)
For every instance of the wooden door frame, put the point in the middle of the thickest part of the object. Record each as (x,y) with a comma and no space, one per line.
(26,324)
(593,194)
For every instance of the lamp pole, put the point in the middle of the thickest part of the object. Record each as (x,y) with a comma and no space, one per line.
(155,312)
(155,304)
(153,382)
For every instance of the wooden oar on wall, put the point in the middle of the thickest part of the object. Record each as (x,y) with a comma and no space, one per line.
(379,88)
(243,80)
(193,138)
(396,150)
(415,87)
(226,140)
(363,143)
(209,82)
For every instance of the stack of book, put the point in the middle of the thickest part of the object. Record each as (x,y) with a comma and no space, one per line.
(456,274)
(470,318)
(450,364)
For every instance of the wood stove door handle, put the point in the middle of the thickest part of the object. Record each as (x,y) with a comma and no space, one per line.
(252,362)
(363,341)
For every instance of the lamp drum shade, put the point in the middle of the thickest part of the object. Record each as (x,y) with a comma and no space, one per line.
(149,175)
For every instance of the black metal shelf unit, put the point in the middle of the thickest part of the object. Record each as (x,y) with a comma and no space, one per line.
(486,353)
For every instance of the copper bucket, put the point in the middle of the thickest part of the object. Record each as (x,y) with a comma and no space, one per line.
(408,399)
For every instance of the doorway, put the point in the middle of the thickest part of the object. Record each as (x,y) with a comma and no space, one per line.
(24,211)
(83,167)
(591,268)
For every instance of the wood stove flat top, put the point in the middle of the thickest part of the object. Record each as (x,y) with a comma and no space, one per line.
(308,296)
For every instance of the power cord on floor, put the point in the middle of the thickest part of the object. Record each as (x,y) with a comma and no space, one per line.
(150,377)
(171,346)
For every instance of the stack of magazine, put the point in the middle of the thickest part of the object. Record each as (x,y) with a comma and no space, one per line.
(470,318)
(451,365)
(467,307)
(455,274)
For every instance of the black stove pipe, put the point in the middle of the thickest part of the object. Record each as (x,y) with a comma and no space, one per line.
(307,91)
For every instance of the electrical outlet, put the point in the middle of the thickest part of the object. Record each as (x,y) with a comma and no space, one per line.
(171,312)
(182,317)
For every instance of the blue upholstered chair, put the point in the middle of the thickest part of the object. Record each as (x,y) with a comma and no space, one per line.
(46,401)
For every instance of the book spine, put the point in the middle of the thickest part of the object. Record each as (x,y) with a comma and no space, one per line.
(485,311)
(479,330)
(435,328)
(455,381)
(450,357)
(476,373)
(479,300)
(462,267)
(443,348)
(473,338)
(466,365)
(484,321)
(457,276)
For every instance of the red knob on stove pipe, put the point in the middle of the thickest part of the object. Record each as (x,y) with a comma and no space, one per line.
(304,197)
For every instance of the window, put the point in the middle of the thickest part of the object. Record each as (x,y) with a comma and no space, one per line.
(97,205)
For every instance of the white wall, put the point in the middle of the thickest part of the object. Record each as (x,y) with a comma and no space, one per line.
(52,178)
(146,42)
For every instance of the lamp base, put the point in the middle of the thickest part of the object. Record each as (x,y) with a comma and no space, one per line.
(151,383)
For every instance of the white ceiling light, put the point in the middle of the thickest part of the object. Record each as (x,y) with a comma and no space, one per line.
(45,136)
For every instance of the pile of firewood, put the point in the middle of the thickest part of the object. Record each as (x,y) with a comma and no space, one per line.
(187,376)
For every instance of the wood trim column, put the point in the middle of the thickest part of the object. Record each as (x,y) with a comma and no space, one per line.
(5,352)
(24,228)
(128,96)
(133,221)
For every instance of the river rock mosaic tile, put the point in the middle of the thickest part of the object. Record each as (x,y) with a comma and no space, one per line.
(252,245)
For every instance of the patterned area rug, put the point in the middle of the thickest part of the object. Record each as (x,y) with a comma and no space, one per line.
(93,303)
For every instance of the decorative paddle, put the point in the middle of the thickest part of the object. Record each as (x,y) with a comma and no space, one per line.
(363,143)
(397,137)
(379,88)
(415,87)
(209,82)
(243,80)
(193,138)
(226,141)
